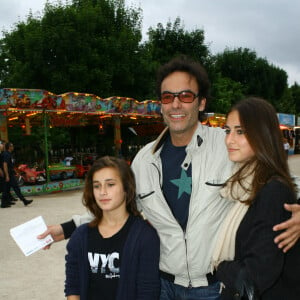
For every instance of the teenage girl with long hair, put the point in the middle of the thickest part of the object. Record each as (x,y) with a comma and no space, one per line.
(248,261)
(116,255)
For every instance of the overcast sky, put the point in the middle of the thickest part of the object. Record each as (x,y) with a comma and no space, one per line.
(271,28)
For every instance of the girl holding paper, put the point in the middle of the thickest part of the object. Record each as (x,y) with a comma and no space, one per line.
(115,256)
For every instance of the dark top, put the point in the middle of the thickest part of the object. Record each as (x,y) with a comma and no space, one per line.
(7,157)
(275,275)
(139,274)
(68,228)
(104,256)
(2,180)
(177,182)
(1,160)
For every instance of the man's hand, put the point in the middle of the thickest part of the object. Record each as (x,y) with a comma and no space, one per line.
(55,231)
(290,236)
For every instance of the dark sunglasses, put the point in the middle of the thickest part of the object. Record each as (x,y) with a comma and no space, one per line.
(183,96)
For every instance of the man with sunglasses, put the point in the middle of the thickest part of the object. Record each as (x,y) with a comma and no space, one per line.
(173,175)
(178,178)
(178,181)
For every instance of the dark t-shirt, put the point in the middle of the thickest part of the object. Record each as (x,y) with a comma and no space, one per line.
(7,157)
(1,160)
(104,256)
(1,173)
(177,183)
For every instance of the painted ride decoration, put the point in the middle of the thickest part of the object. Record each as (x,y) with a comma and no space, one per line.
(35,100)
(61,172)
(31,107)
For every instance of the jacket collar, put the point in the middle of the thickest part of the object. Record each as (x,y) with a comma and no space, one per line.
(194,143)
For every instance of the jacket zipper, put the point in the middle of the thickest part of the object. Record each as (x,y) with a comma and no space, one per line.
(187,263)
(185,241)
(165,203)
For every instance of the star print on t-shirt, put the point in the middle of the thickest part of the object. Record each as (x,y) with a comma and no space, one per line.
(177,181)
(184,183)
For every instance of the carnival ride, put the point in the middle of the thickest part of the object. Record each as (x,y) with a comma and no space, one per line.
(27,108)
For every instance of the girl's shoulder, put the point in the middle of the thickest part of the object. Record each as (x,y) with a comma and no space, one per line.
(276,189)
(276,184)
(78,237)
(143,226)
(80,231)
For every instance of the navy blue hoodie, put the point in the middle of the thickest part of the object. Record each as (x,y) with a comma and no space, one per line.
(139,277)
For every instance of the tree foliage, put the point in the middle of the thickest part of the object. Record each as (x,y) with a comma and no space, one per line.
(173,40)
(87,46)
(164,43)
(286,103)
(255,75)
(295,94)
(225,92)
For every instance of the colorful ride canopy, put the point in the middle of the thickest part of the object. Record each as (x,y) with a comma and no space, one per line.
(36,99)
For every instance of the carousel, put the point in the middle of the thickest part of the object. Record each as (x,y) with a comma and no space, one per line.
(28,108)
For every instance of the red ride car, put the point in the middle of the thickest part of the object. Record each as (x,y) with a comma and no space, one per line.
(26,175)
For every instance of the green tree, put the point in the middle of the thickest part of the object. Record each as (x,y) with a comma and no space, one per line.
(173,40)
(164,43)
(286,103)
(295,94)
(225,92)
(86,46)
(256,75)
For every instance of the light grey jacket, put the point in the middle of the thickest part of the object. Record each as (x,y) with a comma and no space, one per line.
(187,255)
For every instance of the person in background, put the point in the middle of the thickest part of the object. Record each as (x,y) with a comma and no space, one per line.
(179,177)
(9,176)
(11,200)
(286,146)
(116,255)
(248,262)
(4,203)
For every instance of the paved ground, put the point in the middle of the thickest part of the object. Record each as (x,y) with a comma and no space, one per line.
(40,276)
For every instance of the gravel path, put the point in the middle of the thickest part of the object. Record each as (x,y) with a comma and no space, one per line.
(40,276)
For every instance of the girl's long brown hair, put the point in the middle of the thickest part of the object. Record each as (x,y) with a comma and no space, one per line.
(128,182)
(259,121)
